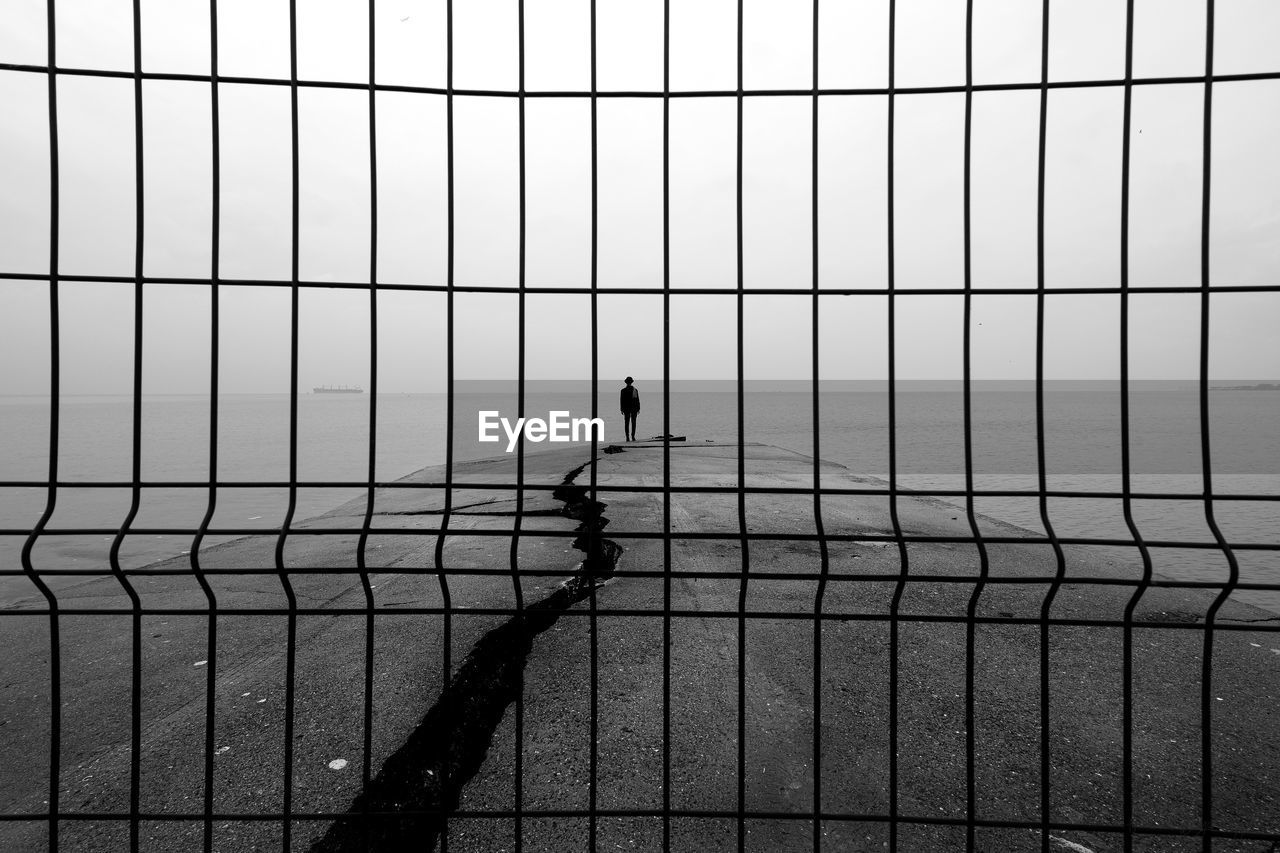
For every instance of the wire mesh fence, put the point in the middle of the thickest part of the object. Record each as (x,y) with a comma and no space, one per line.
(414,795)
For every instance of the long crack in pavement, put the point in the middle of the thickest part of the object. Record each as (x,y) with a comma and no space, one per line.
(408,802)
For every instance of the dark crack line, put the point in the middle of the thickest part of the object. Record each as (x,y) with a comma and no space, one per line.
(407,803)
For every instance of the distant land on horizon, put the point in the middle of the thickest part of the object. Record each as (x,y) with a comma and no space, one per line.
(1261,386)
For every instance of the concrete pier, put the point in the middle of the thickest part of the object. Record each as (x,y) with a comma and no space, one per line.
(452,721)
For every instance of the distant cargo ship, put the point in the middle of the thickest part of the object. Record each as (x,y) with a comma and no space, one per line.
(336,389)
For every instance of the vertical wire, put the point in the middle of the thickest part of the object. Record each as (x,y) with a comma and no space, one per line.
(817,467)
(1126,484)
(742,478)
(55,390)
(1206,462)
(984,566)
(291,639)
(214,273)
(135,490)
(900,587)
(517,589)
(366,764)
(1041,473)
(593,544)
(666,425)
(446,662)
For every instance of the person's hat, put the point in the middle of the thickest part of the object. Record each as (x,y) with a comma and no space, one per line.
(630,380)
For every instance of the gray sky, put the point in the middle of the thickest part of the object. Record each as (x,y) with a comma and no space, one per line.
(1082,206)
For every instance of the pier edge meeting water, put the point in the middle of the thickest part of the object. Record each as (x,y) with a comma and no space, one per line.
(1081,425)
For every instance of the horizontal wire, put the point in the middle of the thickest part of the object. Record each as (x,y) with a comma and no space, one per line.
(1269,625)
(467,571)
(642,93)
(645,534)
(604,289)
(637,488)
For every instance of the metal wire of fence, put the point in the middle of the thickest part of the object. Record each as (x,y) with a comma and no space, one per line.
(55,611)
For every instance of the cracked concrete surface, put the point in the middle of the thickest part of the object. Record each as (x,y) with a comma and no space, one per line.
(547,723)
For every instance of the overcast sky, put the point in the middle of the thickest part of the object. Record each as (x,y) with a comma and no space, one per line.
(1082,201)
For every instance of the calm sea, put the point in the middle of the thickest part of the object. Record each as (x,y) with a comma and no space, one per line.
(1082,452)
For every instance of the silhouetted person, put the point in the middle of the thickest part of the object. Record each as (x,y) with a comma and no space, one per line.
(630,404)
